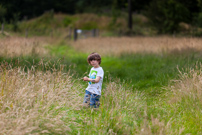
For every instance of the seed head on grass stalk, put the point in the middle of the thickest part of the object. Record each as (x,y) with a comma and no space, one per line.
(31,101)
(189,84)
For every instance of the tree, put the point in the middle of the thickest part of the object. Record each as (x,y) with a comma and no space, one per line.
(33,8)
(198,18)
(2,13)
(166,15)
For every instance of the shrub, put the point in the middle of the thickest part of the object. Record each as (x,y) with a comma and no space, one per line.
(67,21)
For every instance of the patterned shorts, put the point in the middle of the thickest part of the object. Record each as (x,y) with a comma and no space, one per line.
(92,99)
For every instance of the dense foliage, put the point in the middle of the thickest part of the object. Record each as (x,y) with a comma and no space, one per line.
(41,89)
(164,15)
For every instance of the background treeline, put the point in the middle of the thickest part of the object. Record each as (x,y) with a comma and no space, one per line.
(32,8)
(164,15)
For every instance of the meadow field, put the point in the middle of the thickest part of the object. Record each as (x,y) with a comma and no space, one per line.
(111,46)
(152,86)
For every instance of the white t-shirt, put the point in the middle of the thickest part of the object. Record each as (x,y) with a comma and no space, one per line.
(93,87)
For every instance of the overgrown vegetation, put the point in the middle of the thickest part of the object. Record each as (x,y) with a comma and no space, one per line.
(150,93)
(166,15)
(163,17)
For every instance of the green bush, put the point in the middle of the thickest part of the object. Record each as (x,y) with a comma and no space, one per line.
(67,21)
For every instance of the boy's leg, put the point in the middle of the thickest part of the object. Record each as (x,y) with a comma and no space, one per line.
(86,101)
(95,100)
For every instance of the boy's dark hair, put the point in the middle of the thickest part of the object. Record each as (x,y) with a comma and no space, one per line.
(94,56)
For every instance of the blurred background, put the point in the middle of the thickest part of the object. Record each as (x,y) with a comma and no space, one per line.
(109,17)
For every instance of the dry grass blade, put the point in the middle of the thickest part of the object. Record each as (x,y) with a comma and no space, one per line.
(32,101)
(189,86)
(116,46)
(16,46)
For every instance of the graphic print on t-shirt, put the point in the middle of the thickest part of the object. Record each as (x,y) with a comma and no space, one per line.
(93,75)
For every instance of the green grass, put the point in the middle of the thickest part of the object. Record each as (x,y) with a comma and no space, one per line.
(144,72)
(133,96)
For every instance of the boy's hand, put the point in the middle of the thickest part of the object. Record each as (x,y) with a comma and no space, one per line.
(85,78)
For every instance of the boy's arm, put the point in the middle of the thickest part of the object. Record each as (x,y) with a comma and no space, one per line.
(92,80)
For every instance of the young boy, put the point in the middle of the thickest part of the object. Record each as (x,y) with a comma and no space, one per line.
(93,91)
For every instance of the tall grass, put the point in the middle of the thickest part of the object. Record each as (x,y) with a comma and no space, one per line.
(113,46)
(189,85)
(32,101)
(186,99)
(45,97)
(19,46)
(50,102)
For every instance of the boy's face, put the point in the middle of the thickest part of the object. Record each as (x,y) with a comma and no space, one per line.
(94,63)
